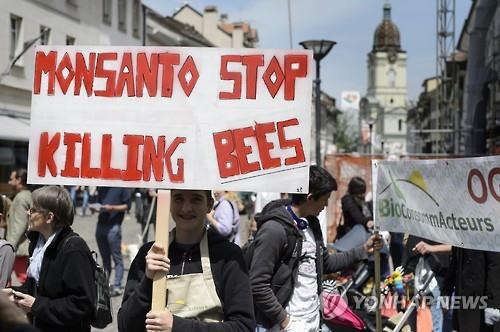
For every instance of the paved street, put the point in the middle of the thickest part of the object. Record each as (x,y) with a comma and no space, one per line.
(85,226)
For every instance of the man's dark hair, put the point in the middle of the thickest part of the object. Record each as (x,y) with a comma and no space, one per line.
(320,183)
(22,173)
(357,186)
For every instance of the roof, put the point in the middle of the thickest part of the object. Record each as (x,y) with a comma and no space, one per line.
(387,37)
(14,128)
(250,34)
(184,29)
(186,6)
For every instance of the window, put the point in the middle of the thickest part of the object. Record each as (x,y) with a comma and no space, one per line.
(70,40)
(400,125)
(122,15)
(136,20)
(391,78)
(106,11)
(45,35)
(15,33)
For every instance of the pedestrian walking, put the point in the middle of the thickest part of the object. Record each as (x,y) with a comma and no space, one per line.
(112,204)
(17,221)
(225,217)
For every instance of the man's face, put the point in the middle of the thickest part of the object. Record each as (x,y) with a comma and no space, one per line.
(315,206)
(189,208)
(14,182)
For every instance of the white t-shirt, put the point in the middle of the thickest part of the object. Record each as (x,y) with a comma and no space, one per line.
(304,304)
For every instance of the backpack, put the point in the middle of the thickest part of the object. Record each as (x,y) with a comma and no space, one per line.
(102,309)
(102,316)
(290,252)
(289,259)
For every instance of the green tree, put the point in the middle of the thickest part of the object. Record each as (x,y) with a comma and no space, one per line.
(346,137)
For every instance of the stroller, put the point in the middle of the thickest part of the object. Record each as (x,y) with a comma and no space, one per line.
(347,309)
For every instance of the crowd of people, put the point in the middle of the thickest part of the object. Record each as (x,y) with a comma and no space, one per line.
(273,283)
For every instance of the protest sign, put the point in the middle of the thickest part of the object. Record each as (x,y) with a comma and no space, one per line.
(171,117)
(451,201)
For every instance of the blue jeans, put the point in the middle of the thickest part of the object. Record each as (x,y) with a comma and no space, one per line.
(436,311)
(109,241)
(73,190)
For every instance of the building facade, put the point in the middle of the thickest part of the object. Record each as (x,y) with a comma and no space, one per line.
(480,123)
(97,22)
(384,107)
(49,22)
(472,125)
(217,29)
(165,30)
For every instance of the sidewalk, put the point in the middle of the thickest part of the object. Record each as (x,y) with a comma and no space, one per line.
(85,227)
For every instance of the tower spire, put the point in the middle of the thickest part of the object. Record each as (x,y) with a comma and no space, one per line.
(387,11)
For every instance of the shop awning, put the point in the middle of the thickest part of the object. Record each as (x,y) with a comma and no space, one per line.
(14,128)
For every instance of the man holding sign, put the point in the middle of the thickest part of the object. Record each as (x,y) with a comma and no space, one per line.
(153,119)
(207,282)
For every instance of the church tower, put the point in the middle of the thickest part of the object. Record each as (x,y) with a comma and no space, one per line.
(385,103)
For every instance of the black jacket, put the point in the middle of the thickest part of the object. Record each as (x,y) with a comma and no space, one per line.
(66,293)
(271,278)
(230,278)
(353,213)
(438,262)
(474,273)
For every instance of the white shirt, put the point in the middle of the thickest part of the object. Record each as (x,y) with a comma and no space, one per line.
(304,304)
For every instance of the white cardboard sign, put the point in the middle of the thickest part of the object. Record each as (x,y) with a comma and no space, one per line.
(171,117)
(452,201)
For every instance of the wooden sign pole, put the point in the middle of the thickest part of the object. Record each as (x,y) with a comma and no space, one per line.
(378,313)
(161,237)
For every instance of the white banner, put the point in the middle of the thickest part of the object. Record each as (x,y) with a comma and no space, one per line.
(171,117)
(349,100)
(452,201)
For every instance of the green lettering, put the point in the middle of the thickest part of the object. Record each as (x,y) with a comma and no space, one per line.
(384,208)
(454,222)
(489,226)
(462,223)
(472,224)
(442,223)
(479,221)
(434,220)
(398,210)
(448,221)
(403,211)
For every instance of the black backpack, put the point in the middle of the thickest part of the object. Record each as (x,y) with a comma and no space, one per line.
(102,308)
(282,271)
(102,315)
(290,252)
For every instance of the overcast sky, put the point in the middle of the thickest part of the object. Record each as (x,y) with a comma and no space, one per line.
(350,23)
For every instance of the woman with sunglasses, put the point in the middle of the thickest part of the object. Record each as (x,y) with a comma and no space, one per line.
(59,292)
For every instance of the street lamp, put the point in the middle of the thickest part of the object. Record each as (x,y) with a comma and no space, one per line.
(370,126)
(320,49)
